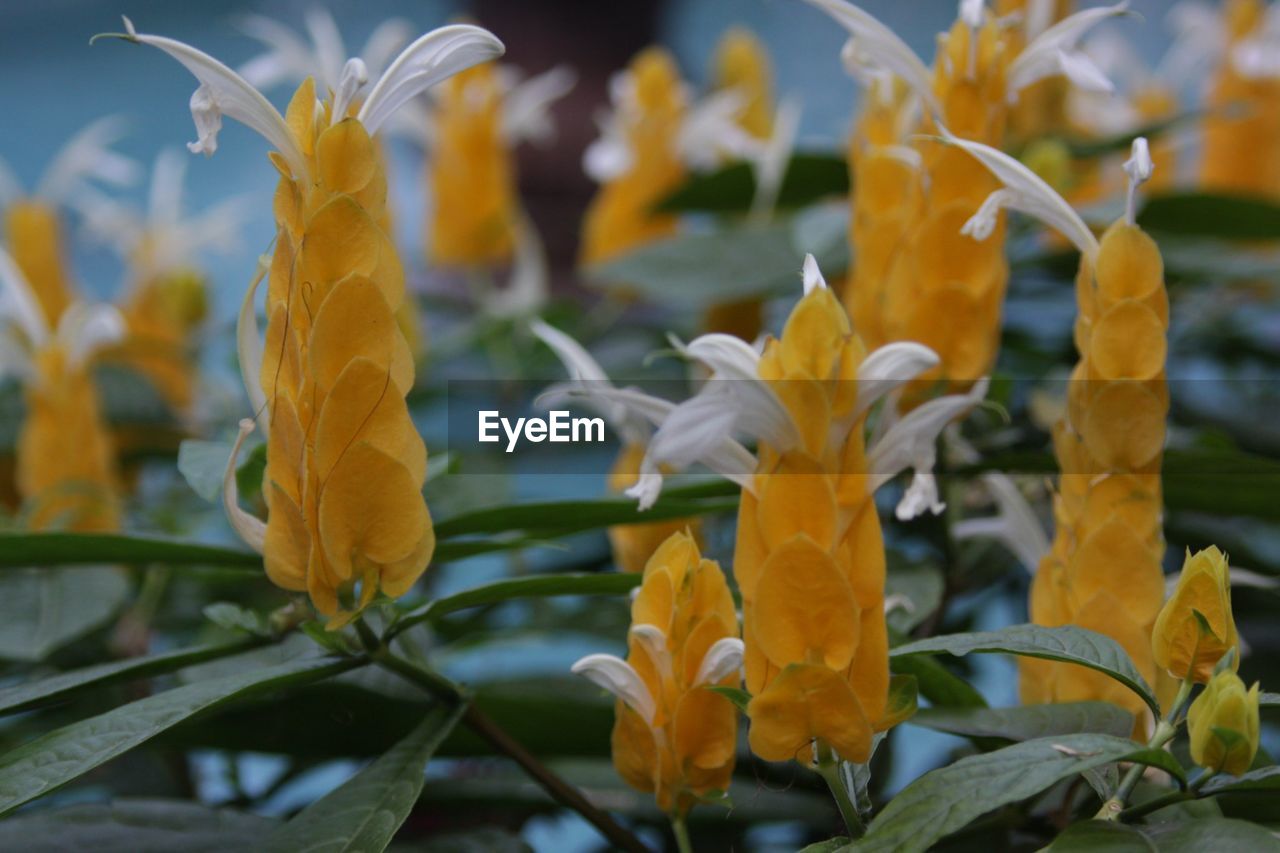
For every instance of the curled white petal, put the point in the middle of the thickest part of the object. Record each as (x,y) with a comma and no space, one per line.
(248,527)
(911,443)
(1054,51)
(1027,192)
(18,302)
(1139,167)
(1015,524)
(386,40)
(882,47)
(249,347)
(721,660)
(921,496)
(526,108)
(84,328)
(983,223)
(647,488)
(890,367)
(654,642)
(574,357)
(88,155)
(354,75)
(757,409)
(619,678)
(225,93)
(434,57)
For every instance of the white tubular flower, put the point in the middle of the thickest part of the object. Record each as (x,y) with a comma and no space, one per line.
(1023,191)
(722,659)
(88,155)
(251,529)
(526,104)
(1057,51)
(1139,167)
(735,371)
(881,48)
(617,676)
(911,442)
(85,328)
(1015,524)
(888,368)
(711,134)
(291,57)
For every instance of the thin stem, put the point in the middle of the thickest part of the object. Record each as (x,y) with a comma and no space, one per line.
(681,831)
(828,768)
(1192,793)
(1165,730)
(480,723)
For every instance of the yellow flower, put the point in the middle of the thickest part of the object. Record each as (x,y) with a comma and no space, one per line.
(809,558)
(472,173)
(1242,114)
(672,736)
(34,235)
(345,465)
(1181,646)
(643,163)
(1223,725)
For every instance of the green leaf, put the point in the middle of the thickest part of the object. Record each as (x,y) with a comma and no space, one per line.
(1204,834)
(134,826)
(68,549)
(560,518)
(831,845)
(1203,214)
(947,799)
(912,592)
(693,270)
(249,474)
(537,586)
(34,694)
(202,464)
(47,763)
(810,177)
(43,609)
(1101,836)
(937,684)
(487,840)
(904,699)
(1066,643)
(1262,779)
(739,697)
(363,815)
(1027,722)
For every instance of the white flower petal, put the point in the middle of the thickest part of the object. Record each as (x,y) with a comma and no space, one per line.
(527,289)
(329,50)
(1043,57)
(647,489)
(609,156)
(224,92)
(434,57)
(921,496)
(972,13)
(526,110)
(711,133)
(1083,73)
(249,347)
(1139,167)
(354,75)
(87,155)
(811,275)
(721,660)
(576,359)
(1027,192)
(654,643)
(288,57)
(735,367)
(1015,525)
(890,367)
(882,47)
(18,302)
(84,328)
(249,528)
(617,676)
(774,156)
(386,40)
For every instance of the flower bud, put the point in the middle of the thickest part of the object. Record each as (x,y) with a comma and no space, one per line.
(1180,642)
(1223,725)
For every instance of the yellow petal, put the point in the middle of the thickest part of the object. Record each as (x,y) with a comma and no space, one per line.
(354,321)
(1114,559)
(340,240)
(804,607)
(364,405)
(287,547)
(706,729)
(1124,426)
(1127,342)
(347,157)
(633,752)
(797,498)
(808,701)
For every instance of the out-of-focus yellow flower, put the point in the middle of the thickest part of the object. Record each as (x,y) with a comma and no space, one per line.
(1242,114)
(809,559)
(643,163)
(1040,108)
(345,464)
(1223,725)
(1180,645)
(34,235)
(672,736)
(633,544)
(472,173)
(1103,569)
(65,469)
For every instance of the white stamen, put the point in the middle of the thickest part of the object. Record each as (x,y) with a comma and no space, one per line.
(248,527)
(619,678)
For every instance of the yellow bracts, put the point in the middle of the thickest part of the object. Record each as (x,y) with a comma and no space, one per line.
(1182,647)
(1242,123)
(33,233)
(809,559)
(1103,570)
(161,316)
(1223,725)
(683,640)
(620,216)
(345,464)
(66,467)
(472,173)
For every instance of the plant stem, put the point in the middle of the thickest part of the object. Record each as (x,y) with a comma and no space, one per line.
(1192,793)
(828,768)
(681,831)
(484,726)
(1165,730)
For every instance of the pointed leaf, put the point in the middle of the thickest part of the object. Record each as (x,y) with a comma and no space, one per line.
(1026,722)
(70,549)
(43,609)
(134,826)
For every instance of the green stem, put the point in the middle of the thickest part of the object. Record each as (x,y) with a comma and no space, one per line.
(1165,730)
(828,768)
(681,831)
(1192,793)
(480,723)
